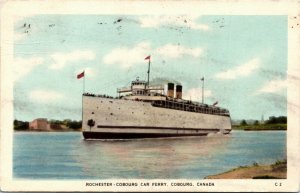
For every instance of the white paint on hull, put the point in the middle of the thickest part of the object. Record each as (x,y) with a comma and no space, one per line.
(118,112)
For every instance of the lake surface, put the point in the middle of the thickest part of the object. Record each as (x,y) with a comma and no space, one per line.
(65,155)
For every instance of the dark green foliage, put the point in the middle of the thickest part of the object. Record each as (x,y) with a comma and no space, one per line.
(260,127)
(274,123)
(279,165)
(74,124)
(21,125)
(58,122)
(243,122)
(278,162)
(255,164)
(276,120)
(66,122)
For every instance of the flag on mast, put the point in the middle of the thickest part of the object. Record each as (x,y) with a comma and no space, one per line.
(80,75)
(147,58)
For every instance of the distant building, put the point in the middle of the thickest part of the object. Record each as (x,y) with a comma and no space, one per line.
(39,124)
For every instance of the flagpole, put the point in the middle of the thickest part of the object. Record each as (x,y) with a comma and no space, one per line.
(148,72)
(79,76)
(83,87)
(82,111)
(202,90)
(82,99)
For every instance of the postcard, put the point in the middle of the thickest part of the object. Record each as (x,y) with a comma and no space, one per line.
(164,96)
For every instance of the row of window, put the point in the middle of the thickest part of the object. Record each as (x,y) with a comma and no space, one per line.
(191,108)
(140,92)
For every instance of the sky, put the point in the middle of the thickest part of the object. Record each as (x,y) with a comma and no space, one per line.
(243,60)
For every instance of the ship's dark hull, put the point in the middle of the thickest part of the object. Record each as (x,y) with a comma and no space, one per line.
(107,135)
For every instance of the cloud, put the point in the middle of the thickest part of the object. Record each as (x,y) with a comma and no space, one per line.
(23,66)
(188,21)
(129,56)
(176,51)
(45,96)
(195,94)
(241,70)
(273,86)
(62,59)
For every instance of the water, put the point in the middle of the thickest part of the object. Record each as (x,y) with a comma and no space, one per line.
(65,155)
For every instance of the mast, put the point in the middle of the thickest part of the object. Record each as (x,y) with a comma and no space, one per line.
(148,58)
(202,79)
(148,72)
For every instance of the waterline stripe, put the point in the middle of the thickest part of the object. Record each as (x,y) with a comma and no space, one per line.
(151,127)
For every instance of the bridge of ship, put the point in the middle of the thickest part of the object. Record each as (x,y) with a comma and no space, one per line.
(139,87)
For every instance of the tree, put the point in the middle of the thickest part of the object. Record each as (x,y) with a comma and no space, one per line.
(256,122)
(243,122)
(53,121)
(67,122)
(21,125)
(277,120)
(75,124)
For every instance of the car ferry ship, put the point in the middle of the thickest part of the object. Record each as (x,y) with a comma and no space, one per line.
(145,111)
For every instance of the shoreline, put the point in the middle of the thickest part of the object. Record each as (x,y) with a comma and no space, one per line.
(277,170)
(264,127)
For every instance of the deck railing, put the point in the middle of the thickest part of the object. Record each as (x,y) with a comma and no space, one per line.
(191,107)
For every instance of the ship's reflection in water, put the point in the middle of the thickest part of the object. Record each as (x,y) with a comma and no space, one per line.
(152,158)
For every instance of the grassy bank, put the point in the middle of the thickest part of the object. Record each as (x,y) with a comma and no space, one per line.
(260,127)
(277,170)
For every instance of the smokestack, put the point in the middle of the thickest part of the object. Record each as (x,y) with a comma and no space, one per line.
(170,90)
(179,91)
